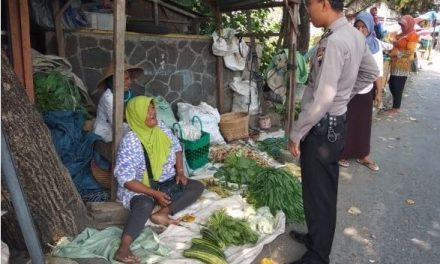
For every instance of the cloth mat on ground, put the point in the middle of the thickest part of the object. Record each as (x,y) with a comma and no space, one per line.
(92,243)
(150,247)
(178,238)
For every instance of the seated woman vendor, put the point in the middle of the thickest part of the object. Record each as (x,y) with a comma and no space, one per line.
(104,116)
(149,171)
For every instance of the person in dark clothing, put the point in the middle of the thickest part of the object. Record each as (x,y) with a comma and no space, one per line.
(342,58)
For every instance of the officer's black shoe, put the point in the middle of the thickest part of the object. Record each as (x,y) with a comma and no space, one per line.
(299,261)
(298,237)
(304,260)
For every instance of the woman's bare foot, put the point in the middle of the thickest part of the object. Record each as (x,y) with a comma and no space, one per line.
(161,217)
(125,256)
(392,111)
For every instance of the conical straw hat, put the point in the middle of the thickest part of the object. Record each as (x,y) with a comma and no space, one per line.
(109,71)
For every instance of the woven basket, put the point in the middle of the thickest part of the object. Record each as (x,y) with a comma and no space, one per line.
(103,177)
(234,125)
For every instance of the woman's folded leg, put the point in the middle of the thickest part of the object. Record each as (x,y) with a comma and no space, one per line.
(192,192)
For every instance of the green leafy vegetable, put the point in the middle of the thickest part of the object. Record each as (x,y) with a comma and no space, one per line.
(232,231)
(55,92)
(279,190)
(238,169)
(272,146)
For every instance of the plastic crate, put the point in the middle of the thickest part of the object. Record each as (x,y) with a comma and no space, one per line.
(196,151)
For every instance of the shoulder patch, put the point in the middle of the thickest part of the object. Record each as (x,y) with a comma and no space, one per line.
(320,55)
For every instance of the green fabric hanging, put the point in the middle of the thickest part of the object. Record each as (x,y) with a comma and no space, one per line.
(302,70)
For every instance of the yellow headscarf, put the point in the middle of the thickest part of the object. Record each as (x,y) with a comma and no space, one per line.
(154,140)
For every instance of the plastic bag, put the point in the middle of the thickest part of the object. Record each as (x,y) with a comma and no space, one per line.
(5,253)
(233,50)
(189,131)
(164,111)
(226,44)
(209,116)
(237,60)
(241,101)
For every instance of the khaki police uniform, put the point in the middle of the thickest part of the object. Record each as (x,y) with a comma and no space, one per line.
(341,60)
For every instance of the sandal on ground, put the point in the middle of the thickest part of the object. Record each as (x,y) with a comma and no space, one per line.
(369,164)
(343,163)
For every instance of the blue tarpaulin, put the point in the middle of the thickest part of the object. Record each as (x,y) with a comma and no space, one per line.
(431,15)
(74,147)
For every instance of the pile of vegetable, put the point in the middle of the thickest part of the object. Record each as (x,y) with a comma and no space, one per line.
(231,231)
(55,92)
(219,153)
(222,230)
(279,190)
(208,249)
(213,186)
(238,169)
(272,146)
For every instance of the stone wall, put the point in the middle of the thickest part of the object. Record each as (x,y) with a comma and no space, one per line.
(181,68)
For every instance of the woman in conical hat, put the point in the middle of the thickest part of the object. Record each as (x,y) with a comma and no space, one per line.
(104,113)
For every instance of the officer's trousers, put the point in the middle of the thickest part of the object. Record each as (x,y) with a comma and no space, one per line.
(320,175)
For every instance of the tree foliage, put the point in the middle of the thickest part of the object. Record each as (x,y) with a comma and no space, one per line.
(412,7)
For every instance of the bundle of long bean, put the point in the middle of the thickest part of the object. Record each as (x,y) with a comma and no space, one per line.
(279,190)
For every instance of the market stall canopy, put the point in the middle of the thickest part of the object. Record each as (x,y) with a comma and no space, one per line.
(431,15)
(428,31)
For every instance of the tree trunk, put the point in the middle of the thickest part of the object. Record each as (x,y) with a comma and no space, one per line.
(55,205)
(304,30)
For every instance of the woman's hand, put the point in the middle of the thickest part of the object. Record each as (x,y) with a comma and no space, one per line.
(181,178)
(162,198)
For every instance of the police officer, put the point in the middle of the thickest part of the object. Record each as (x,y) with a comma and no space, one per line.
(341,60)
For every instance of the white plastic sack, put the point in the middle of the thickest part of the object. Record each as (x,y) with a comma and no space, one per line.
(276,80)
(226,44)
(241,100)
(237,60)
(5,253)
(209,116)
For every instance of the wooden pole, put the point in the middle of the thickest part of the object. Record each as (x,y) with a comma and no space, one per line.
(21,44)
(26,47)
(57,15)
(16,47)
(290,103)
(219,65)
(156,13)
(118,80)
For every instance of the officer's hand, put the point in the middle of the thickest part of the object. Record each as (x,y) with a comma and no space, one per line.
(294,148)
(377,100)
(162,198)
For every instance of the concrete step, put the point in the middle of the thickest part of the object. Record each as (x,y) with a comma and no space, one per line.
(107,214)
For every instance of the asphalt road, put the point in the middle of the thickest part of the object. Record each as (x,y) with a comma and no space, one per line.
(389,228)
